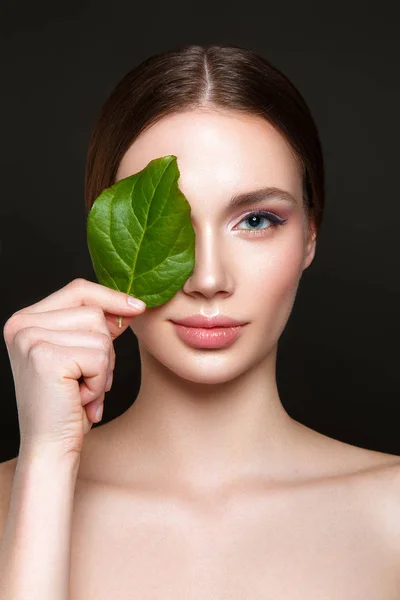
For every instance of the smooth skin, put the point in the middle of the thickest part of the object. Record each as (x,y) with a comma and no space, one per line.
(205,488)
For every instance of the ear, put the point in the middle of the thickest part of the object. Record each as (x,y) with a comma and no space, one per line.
(309,252)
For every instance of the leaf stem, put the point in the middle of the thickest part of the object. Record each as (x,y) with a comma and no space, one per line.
(120,322)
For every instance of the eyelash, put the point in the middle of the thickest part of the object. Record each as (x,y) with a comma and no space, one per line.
(274,219)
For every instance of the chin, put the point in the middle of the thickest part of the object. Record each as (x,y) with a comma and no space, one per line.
(202,366)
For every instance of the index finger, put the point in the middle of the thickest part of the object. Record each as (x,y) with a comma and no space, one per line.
(82,292)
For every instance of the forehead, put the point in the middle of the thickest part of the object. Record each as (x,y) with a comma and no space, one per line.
(218,153)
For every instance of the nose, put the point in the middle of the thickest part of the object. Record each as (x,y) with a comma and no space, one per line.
(211,274)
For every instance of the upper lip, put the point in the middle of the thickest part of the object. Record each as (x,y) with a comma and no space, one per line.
(208,322)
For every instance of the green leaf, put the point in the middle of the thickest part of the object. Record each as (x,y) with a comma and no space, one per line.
(140,235)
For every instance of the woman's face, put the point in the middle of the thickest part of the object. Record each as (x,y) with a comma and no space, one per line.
(245,268)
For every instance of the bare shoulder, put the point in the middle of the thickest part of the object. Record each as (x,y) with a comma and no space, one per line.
(378,474)
(7,472)
(377,483)
(329,457)
(365,463)
(371,478)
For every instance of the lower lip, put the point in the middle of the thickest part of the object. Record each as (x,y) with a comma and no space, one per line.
(201,337)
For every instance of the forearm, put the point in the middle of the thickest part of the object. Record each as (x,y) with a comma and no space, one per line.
(35,550)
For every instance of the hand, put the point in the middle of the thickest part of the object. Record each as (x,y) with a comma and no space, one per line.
(53,344)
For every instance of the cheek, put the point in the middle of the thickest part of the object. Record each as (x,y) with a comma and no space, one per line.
(271,277)
(147,321)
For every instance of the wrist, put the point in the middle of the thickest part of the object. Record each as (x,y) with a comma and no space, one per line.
(49,455)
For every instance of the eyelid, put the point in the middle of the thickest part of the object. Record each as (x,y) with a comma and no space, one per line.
(266,213)
(275,222)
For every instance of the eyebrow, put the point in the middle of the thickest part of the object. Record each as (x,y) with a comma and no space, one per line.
(254,196)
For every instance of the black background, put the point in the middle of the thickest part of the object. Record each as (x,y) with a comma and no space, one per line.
(338,357)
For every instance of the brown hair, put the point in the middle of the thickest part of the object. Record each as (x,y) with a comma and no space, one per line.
(191,76)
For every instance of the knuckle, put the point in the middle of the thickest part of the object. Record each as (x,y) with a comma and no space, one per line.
(78,283)
(104,358)
(10,326)
(6,329)
(95,312)
(39,351)
(25,337)
(106,342)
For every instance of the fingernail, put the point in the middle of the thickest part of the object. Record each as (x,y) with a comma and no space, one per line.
(99,413)
(136,302)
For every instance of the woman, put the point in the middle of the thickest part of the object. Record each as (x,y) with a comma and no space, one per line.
(205,487)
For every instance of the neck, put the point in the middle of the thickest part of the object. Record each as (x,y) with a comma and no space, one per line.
(205,434)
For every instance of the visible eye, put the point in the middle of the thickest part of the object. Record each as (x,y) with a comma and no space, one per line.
(254,219)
